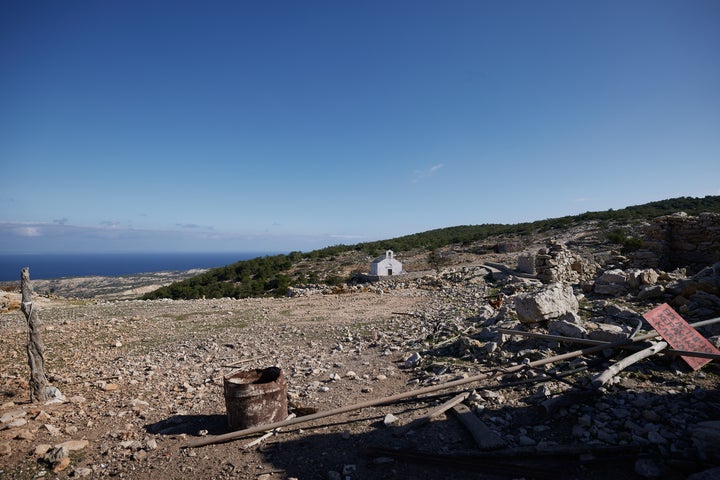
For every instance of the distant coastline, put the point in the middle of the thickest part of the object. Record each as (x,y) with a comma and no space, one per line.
(62,265)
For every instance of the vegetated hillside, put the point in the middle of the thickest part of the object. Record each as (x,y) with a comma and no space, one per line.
(274,275)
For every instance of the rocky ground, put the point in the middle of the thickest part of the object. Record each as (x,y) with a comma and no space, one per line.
(140,380)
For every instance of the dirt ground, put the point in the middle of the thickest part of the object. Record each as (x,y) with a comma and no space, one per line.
(142,379)
(138,371)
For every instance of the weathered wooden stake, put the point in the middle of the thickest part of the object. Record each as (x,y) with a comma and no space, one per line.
(35,348)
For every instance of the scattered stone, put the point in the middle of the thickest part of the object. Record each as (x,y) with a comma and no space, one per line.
(61,465)
(649,292)
(706,438)
(569,325)
(711,474)
(54,431)
(54,395)
(413,360)
(42,417)
(611,282)
(73,445)
(526,441)
(647,468)
(24,434)
(390,419)
(56,454)
(5,449)
(656,438)
(139,455)
(82,472)
(608,332)
(552,301)
(42,449)
(18,422)
(14,415)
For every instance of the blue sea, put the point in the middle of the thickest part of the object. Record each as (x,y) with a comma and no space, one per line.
(59,265)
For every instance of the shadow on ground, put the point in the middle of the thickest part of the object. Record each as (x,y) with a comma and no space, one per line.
(190,425)
(359,446)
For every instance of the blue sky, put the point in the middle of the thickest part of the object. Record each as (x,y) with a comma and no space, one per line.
(287,125)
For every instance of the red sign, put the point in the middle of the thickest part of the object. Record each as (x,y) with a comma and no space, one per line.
(679,334)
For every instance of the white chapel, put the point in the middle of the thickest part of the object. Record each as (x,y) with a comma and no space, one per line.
(385,265)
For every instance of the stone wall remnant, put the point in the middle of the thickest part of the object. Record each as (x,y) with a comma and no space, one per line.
(555,264)
(680,240)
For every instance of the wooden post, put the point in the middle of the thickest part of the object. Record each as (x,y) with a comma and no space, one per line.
(35,348)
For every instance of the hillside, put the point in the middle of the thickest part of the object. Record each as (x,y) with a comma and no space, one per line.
(338,265)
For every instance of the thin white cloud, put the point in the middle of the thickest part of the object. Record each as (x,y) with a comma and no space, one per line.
(28,231)
(419,175)
(54,237)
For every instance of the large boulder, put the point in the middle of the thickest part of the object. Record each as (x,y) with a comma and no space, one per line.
(552,301)
(639,278)
(648,292)
(611,282)
(708,279)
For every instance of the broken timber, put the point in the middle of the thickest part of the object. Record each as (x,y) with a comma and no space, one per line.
(579,394)
(628,345)
(432,414)
(227,437)
(601,379)
(485,438)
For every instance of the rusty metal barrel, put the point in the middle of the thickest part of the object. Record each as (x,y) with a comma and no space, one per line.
(255,397)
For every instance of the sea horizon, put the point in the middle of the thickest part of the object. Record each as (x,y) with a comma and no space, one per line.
(46,266)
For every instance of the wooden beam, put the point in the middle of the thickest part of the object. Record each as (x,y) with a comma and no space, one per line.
(418,422)
(485,438)
(35,348)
